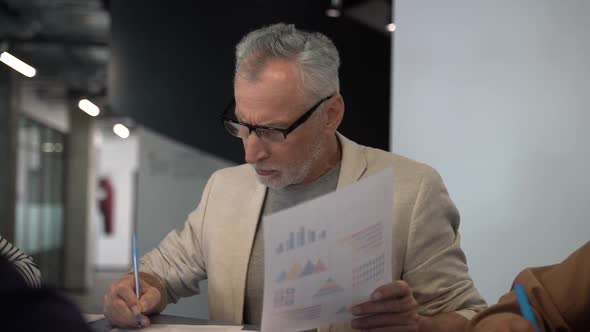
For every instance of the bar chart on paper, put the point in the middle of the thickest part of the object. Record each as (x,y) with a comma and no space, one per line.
(300,239)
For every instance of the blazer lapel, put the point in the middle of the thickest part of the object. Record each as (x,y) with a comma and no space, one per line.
(249,217)
(353,164)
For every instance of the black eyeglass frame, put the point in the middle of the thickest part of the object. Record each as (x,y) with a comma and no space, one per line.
(284,131)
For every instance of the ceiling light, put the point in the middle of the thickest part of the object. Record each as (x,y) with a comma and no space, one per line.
(121,130)
(335,9)
(16,64)
(47,147)
(88,107)
(390,27)
(333,12)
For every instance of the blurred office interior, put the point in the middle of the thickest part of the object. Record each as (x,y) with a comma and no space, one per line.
(116,128)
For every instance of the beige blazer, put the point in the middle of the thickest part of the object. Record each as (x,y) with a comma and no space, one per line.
(216,240)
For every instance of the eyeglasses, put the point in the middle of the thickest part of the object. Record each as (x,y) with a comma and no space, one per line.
(270,134)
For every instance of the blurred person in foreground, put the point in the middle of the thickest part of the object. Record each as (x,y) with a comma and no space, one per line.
(25,308)
(23,263)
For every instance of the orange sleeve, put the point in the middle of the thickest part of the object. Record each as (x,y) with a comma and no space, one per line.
(559,295)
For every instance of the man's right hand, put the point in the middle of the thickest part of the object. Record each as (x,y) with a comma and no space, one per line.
(121,306)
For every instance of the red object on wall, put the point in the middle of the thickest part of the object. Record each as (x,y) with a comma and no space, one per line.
(106,204)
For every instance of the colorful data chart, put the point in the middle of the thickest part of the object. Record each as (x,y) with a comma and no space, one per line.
(284,298)
(296,271)
(307,313)
(371,270)
(342,310)
(330,287)
(300,239)
(367,239)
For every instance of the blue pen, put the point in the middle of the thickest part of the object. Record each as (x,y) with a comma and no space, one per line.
(525,306)
(136,275)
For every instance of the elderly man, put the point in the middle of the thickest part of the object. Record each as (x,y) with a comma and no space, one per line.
(286,112)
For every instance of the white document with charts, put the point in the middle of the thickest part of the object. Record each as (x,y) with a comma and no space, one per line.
(328,254)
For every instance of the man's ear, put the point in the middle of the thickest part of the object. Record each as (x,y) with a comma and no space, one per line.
(334,112)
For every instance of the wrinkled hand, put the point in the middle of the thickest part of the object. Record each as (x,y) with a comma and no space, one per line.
(392,308)
(514,323)
(121,306)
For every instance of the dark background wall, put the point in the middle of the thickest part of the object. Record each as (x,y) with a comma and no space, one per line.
(172,66)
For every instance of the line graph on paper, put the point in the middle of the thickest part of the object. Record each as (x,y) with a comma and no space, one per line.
(365,240)
(304,313)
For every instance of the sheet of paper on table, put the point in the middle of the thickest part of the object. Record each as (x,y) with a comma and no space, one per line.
(92,317)
(328,254)
(183,328)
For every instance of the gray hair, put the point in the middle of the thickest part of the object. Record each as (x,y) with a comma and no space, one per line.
(314,53)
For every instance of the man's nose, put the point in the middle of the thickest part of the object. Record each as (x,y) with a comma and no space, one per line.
(254,148)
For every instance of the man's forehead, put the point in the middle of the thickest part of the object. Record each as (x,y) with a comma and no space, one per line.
(267,98)
(272,99)
(273,112)
(277,116)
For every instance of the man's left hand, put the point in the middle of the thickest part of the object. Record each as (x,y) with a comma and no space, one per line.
(392,308)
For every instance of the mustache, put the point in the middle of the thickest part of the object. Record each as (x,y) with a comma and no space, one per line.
(263,166)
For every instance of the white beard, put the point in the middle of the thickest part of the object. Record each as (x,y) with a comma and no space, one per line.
(296,172)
